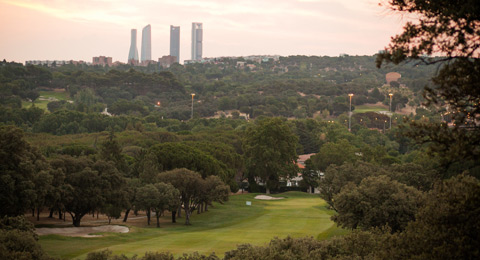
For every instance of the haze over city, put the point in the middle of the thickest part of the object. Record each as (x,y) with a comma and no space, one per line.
(79,30)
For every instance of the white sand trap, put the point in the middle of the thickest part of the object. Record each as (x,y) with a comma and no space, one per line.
(82,231)
(266,197)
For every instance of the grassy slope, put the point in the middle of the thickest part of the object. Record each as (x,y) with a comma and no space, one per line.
(219,230)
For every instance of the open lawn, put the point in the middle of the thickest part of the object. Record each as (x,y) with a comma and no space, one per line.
(46,97)
(219,230)
(370,108)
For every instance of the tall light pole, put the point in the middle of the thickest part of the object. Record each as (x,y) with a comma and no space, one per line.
(391,95)
(350,114)
(193,94)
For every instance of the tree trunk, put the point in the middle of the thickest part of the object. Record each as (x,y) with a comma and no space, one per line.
(126,215)
(179,211)
(148,217)
(60,214)
(109,220)
(268,190)
(51,213)
(206,206)
(158,218)
(33,212)
(198,208)
(76,222)
(174,213)
(38,214)
(76,219)
(187,214)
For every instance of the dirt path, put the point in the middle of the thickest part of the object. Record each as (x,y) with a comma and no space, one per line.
(82,231)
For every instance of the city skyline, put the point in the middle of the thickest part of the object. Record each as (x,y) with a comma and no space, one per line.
(235,28)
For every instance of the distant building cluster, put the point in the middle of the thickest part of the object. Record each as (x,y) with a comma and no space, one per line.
(165,61)
(54,63)
(102,61)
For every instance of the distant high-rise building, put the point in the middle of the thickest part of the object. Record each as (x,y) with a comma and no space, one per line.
(146,43)
(175,42)
(133,53)
(197,38)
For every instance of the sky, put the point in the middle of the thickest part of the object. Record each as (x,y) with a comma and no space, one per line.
(82,29)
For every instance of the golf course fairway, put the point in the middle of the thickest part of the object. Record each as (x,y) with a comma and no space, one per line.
(220,229)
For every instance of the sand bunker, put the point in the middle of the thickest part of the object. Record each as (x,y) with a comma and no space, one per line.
(266,197)
(82,231)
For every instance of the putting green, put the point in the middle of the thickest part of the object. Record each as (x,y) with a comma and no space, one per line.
(219,230)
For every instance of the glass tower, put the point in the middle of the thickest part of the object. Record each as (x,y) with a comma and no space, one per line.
(133,53)
(175,42)
(197,38)
(146,43)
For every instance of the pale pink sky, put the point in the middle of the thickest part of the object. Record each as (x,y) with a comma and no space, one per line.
(81,29)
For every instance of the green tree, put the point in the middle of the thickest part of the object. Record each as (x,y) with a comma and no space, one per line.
(170,156)
(450,29)
(270,151)
(310,176)
(377,201)
(336,153)
(336,177)
(446,227)
(114,189)
(190,184)
(20,163)
(18,240)
(214,191)
(169,199)
(146,199)
(85,194)
(85,99)
(43,189)
(90,186)
(110,150)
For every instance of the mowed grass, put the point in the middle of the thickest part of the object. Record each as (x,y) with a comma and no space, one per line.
(369,108)
(42,103)
(219,230)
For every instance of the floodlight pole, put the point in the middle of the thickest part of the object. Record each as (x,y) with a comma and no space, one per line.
(391,95)
(350,114)
(193,94)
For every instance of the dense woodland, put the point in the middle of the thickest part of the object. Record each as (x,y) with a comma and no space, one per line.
(411,191)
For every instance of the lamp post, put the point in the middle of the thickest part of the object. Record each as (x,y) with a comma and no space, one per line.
(391,95)
(193,94)
(350,114)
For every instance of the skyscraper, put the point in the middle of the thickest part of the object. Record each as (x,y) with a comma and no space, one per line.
(197,38)
(146,43)
(175,42)
(133,53)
